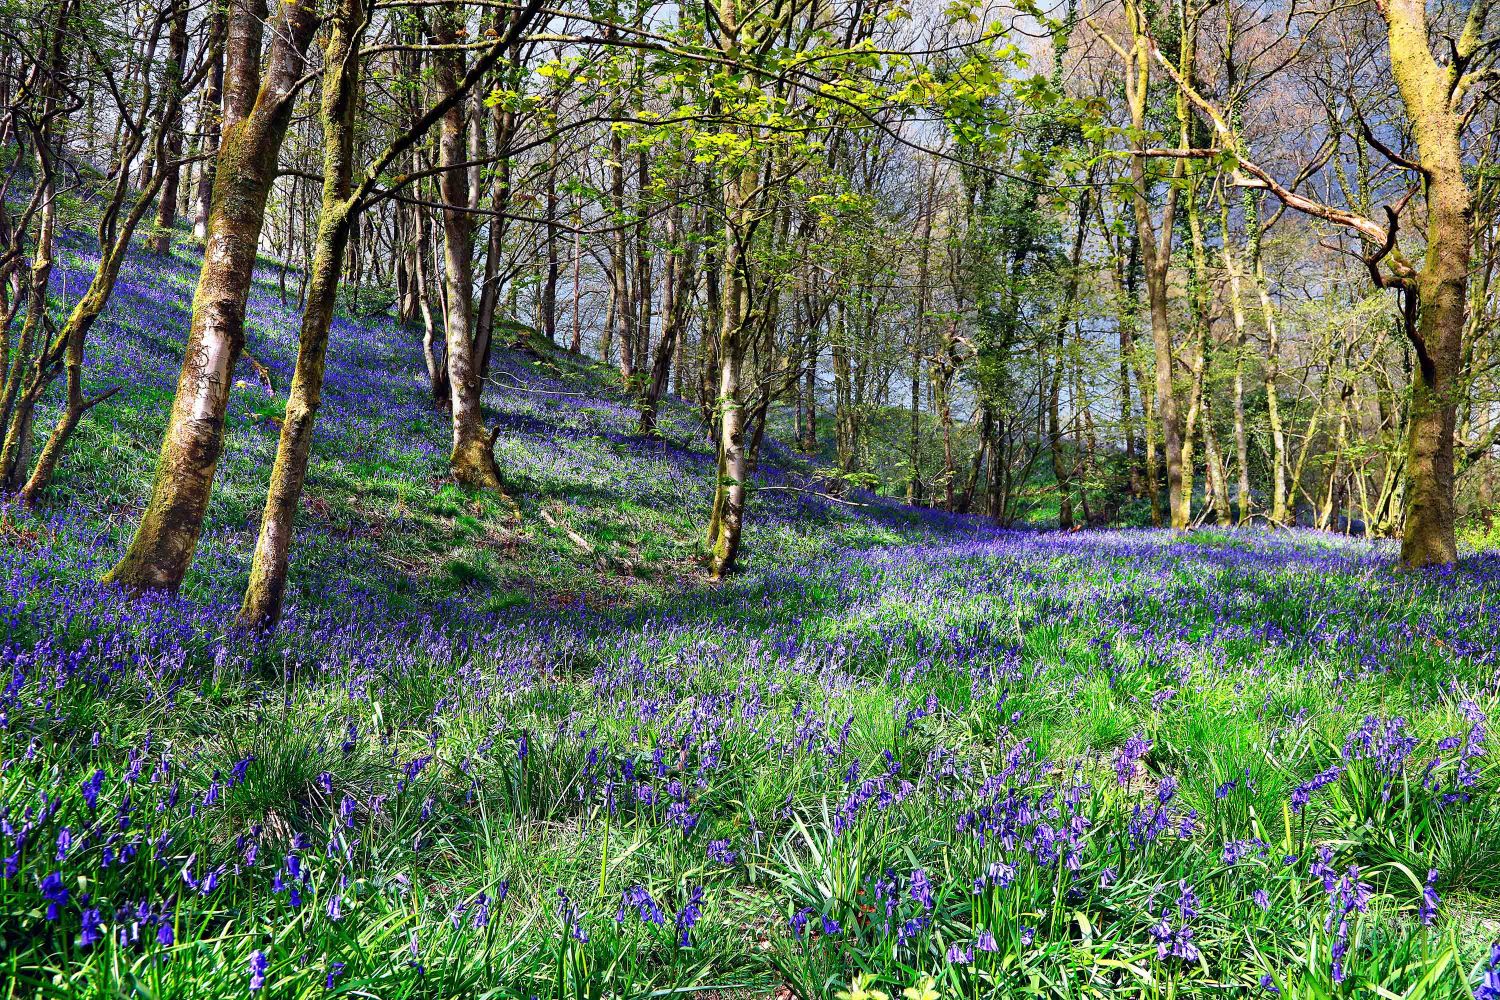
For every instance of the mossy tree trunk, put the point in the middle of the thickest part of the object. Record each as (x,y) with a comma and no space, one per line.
(729,492)
(260,109)
(1441,286)
(266,590)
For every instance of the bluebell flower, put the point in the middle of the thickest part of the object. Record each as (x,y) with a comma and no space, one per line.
(1427,910)
(921,889)
(638,899)
(257,971)
(798,922)
(1489,984)
(688,916)
(92,930)
(91,789)
(1136,747)
(55,893)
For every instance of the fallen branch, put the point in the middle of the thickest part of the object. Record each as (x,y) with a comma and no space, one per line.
(811,493)
(518,387)
(578,540)
(89,404)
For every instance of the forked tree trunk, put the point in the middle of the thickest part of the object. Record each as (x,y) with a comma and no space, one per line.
(80,321)
(15,403)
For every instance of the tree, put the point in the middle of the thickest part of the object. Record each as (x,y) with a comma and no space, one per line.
(341,206)
(258,109)
(1434,294)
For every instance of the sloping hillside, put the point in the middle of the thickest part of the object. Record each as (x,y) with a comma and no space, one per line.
(380,513)
(478,760)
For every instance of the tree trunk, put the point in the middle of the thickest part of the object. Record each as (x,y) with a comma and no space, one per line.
(1237,315)
(166,211)
(624,317)
(1441,287)
(500,198)
(1060,469)
(1269,377)
(809,442)
(640,321)
(1156,259)
(677,289)
(549,281)
(472,458)
(437,367)
(575,342)
(919,345)
(16,405)
(211,118)
(256,122)
(266,590)
(729,495)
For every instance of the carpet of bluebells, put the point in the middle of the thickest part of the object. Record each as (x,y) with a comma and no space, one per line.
(902,755)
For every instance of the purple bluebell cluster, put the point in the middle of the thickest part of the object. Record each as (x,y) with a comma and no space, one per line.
(994,757)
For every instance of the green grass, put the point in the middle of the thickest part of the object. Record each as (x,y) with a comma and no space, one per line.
(464,705)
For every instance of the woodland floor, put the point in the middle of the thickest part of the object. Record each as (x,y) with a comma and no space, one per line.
(481,759)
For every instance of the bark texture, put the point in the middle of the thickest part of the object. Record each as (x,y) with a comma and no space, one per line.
(257,115)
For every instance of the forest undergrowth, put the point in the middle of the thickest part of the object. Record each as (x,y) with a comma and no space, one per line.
(530,751)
